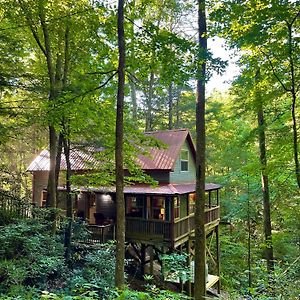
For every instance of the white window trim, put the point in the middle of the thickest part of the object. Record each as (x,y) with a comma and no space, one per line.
(188,158)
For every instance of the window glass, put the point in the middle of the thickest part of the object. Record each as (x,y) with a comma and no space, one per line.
(192,202)
(134,206)
(158,208)
(168,208)
(183,206)
(184,160)
(44,198)
(176,208)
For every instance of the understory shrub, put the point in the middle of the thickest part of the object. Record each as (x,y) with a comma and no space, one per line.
(93,272)
(29,255)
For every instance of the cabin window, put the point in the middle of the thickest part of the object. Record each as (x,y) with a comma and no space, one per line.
(176,208)
(158,208)
(184,160)
(192,202)
(183,206)
(134,206)
(212,198)
(168,208)
(44,199)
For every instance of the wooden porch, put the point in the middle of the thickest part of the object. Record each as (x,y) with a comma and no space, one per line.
(154,231)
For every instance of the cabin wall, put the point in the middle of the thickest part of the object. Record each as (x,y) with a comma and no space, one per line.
(39,183)
(160,176)
(106,206)
(178,176)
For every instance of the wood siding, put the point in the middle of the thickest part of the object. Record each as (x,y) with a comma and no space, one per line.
(178,176)
(160,176)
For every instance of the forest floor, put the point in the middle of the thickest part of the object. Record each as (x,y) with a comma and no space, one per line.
(137,282)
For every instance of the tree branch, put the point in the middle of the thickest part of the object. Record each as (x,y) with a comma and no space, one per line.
(87,92)
(31,26)
(274,71)
(101,73)
(67,56)
(47,44)
(139,27)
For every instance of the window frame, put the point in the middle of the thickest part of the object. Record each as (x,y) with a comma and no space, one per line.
(176,207)
(184,160)
(191,203)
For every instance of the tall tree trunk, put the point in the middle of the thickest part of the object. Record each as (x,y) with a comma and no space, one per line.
(264,177)
(293,91)
(133,100)
(132,81)
(295,139)
(58,159)
(177,108)
(56,82)
(51,187)
(170,94)
(120,234)
(149,112)
(68,231)
(200,237)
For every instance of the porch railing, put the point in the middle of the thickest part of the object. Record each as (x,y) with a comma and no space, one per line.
(19,207)
(147,229)
(101,233)
(142,229)
(167,231)
(212,214)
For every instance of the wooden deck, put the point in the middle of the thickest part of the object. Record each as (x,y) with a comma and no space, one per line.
(156,231)
(144,230)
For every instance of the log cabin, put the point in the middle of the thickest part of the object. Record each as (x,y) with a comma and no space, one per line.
(159,219)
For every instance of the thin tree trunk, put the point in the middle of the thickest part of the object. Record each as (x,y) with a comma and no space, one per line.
(149,113)
(265,178)
(200,237)
(132,84)
(294,100)
(177,109)
(51,188)
(120,234)
(58,159)
(170,105)
(68,231)
(133,100)
(249,234)
(295,139)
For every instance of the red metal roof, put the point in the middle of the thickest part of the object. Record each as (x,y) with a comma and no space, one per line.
(158,159)
(164,159)
(80,160)
(161,189)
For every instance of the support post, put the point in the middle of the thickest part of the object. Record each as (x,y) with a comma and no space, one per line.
(189,283)
(218,258)
(143,258)
(181,282)
(151,259)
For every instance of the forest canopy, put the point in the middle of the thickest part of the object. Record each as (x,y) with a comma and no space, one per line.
(66,72)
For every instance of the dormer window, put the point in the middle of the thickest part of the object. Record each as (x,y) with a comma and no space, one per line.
(184,160)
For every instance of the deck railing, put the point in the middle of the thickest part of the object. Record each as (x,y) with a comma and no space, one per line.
(141,228)
(18,207)
(101,233)
(167,231)
(212,214)
(187,224)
